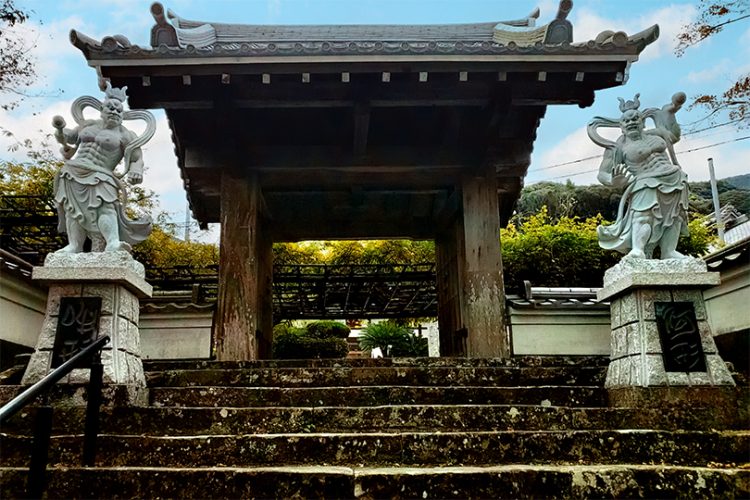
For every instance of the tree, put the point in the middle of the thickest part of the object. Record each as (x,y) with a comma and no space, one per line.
(566,252)
(714,17)
(16,62)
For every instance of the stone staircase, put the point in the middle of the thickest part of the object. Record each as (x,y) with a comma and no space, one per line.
(387,428)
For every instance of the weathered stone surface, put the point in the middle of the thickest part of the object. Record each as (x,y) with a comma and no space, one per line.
(457,430)
(96,267)
(444,418)
(355,376)
(375,395)
(118,320)
(653,274)
(57,291)
(508,481)
(695,448)
(516,361)
(629,266)
(521,481)
(511,481)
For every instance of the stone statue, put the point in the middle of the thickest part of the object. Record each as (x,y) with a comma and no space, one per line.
(653,208)
(89,194)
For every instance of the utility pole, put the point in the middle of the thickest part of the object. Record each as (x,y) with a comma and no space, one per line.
(187,221)
(715,195)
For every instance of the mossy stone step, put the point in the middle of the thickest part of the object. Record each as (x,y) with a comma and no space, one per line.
(197,421)
(510,481)
(376,395)
(517,361)
(387,375)
(694,448)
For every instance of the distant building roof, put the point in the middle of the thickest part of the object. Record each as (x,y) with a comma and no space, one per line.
(738,233)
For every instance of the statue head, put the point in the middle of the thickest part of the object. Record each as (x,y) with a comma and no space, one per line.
(113,106)
(626,105)
(631,121)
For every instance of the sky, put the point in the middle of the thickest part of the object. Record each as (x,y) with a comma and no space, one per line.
(707,68)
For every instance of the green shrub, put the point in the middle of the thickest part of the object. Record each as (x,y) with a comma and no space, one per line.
(293,345)
(401,340)
(325,329)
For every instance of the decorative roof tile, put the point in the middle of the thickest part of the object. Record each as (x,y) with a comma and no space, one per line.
(174,37)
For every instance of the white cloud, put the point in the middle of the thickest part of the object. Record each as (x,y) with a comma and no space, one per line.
(587,25)
(574,146)
(711,73)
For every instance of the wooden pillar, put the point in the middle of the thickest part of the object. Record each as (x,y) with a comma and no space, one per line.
(242,329)
(471,297)
(448,247)
(484,295)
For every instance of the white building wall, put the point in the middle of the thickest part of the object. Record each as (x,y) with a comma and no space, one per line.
(560,331)
(22,309)
(728,305)
(176,334)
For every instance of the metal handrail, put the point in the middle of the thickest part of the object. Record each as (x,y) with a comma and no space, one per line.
(16,404)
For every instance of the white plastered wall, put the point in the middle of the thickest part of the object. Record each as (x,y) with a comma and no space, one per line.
(22,309)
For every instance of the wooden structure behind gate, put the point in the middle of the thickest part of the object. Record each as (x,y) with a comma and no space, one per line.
(338,132)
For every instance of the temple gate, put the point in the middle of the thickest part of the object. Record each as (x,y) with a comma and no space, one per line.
(287,133)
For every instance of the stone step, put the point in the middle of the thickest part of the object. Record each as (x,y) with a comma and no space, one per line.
(443,418)
(517,361)
(507,481)
(693,448)
(390,375)
(588,396)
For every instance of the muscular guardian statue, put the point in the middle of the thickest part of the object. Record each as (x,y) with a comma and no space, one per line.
(89,194)
(653,209)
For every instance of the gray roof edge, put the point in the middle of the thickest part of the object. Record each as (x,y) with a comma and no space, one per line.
(112,48)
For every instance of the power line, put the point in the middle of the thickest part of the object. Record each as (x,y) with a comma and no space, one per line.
(579,160)
(709,128)
(677,152)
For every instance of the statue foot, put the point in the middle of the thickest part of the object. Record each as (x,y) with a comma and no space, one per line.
(636,254)
(674,255)
(70,249)
(119,247)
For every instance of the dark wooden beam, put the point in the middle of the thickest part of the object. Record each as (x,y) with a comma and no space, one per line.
(361,128)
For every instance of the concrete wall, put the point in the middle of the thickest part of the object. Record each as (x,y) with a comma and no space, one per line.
(176,334)
(539,331)
(22,309)
(728,304)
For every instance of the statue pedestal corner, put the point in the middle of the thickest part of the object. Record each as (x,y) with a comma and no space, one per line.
(110,284)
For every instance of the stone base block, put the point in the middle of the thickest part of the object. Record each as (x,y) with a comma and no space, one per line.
(730,405)
(683,353)
(118,281)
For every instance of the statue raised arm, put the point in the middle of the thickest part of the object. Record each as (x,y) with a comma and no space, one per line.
(653,209)
(89,194)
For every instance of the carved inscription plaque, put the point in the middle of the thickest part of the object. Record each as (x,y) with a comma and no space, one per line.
(77,326)
(680,337)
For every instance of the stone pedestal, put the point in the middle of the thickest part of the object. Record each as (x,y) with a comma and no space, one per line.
(637,290)
(118,282)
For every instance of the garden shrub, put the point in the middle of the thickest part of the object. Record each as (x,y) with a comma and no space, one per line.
(387,333)
(290,342)
(325,329)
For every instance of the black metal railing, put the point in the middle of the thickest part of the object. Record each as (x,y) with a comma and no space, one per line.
(36,482)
